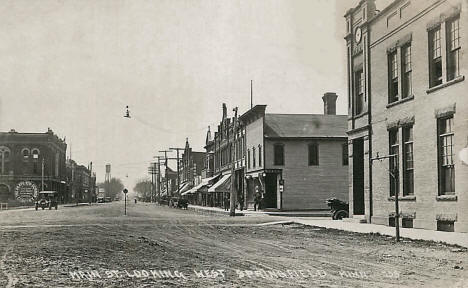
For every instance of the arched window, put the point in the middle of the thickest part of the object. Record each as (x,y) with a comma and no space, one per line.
(25,152)
(5,153)
(35,153)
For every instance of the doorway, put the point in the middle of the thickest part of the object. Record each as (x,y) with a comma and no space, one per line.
(358,176)
(271,186)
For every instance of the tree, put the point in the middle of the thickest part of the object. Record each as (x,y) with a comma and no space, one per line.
(113,188)
(143,189)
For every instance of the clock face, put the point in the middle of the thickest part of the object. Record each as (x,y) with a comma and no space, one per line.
(357,35)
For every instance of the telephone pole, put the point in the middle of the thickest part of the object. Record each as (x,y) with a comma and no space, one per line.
(178,171)
(232,210)
(42,175)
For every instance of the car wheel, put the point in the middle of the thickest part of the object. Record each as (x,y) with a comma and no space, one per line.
(341,214)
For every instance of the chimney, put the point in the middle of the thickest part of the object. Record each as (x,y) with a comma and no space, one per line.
(329,103)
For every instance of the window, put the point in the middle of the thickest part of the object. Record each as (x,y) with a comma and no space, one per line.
(447,226)
(248,158)
(392,77)
(259,155)
(446,155)
(407,222)
(253,157)
(408,168)
(394,168)
(278,154)
(25,153)
(345,154)
(453,48)
(406,83)
(435,58)
(359,83)
(35,154)
(313,154)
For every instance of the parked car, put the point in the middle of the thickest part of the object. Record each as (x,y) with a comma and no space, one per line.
(47,199)
(339,209)
(100,200)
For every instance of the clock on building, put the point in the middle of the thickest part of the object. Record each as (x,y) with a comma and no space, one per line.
(357,35)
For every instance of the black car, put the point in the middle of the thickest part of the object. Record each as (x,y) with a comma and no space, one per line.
(47,199)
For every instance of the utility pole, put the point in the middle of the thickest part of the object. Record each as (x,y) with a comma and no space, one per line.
(395,174)
(251,94)
(232,210)
(42,174)
(178,170)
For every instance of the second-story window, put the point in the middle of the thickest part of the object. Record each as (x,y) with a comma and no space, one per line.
(278,154)
(313,154)
(392,77)
(25,153)
(248,158)
(435,58)
(253,157)
(406,69)
(453,48)
(345,154)
(359,80)
(259,155)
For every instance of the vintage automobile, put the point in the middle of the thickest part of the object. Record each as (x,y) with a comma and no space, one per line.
(177,202)
(47,199)
(339,209)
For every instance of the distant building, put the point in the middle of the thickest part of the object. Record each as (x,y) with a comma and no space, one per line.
(191,166)
(306,154)
(22,156)
(408,103)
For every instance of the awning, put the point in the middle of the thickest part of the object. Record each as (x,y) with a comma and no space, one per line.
(184,188)
(223,184)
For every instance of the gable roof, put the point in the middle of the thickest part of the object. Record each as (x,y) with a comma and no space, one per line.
(305,126)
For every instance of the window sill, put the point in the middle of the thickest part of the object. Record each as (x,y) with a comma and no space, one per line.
(443,85)
(447,198)
(403,198)
(409,98)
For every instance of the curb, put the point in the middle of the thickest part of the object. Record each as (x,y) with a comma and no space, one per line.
(211,212)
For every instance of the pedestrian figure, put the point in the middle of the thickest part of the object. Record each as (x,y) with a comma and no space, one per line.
(241,202)
(257,201)
(135,200)
(226,203)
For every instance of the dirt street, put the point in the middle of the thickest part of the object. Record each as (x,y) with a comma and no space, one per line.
(157,246)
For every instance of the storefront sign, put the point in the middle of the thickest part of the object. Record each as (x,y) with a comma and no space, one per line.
(26,191)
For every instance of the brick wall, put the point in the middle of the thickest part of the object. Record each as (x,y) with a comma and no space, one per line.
(422,108)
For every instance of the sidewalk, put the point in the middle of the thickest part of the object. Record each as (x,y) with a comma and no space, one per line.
(217,210)
(454,238)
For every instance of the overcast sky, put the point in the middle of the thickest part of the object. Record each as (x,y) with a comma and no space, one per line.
(73,66)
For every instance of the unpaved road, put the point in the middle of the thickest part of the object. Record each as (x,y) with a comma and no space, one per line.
(160,247)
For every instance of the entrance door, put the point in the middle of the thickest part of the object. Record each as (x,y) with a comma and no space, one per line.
(4,193)
(270,190)
(358,176)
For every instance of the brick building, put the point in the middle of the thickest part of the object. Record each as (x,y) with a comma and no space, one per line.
(22,157)
(191,166)
(306,151)
(407,101)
